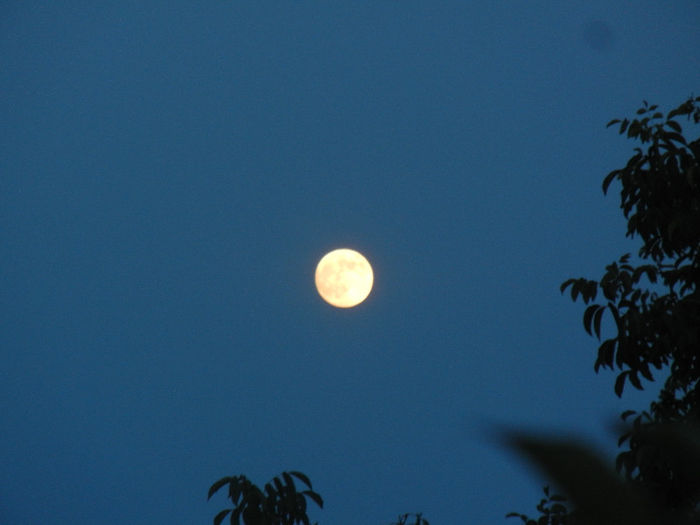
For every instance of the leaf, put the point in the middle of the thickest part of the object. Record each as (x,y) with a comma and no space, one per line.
(289,481)
(624,437)
(612,122)
(314,496)
(236,515)
(626,414)
(674,125)
(595,491)
(217,485)
(574,291)
(596,320)
(675,136)
(606,353)
(588,317)
(644,370)
(620,383)
(623,126)
(303,477)
(608,179)
(566,284)
(634,379)
(220,516)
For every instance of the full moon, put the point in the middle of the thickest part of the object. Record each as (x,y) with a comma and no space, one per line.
(344,278)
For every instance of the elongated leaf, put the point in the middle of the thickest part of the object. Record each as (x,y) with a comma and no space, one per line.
(314,496)
(608,179)
(634,379)
(674,125)
(303,477)
(220,516)
(588,317)
(236,515)
(289,481)
(624,125)
(596,320)
(566,284)
(217,485)
(620,383)
(644,370)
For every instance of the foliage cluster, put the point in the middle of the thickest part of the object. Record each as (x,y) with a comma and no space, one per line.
(279,503)
(655,306)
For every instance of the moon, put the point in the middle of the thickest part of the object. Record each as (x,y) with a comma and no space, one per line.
(344,278)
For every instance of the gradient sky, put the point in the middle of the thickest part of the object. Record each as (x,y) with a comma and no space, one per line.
(171,172)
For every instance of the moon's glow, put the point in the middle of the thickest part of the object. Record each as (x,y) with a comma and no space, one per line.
(344,278)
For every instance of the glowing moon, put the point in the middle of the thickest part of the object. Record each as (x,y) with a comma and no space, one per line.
(344,278)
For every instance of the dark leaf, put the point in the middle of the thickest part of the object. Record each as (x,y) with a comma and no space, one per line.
(627,413)
(634,379)
(302,477)
(236,515)
(644,370)
(620,383)
(566,284)
(314,496)
(596,320)
(675,136)
(588,317)
(674,125)
(220,516)
(596,492)
(289,481)
(623,126)
(216,486)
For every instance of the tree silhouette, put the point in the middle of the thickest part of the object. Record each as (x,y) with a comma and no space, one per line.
(278,504)
(654,302)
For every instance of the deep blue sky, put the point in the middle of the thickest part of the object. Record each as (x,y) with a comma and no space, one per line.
(170,173)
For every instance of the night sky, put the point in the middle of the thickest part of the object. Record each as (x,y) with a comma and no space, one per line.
(170,174)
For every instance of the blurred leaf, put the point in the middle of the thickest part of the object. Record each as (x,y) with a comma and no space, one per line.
(597,493)
(220,516)
(674,125)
